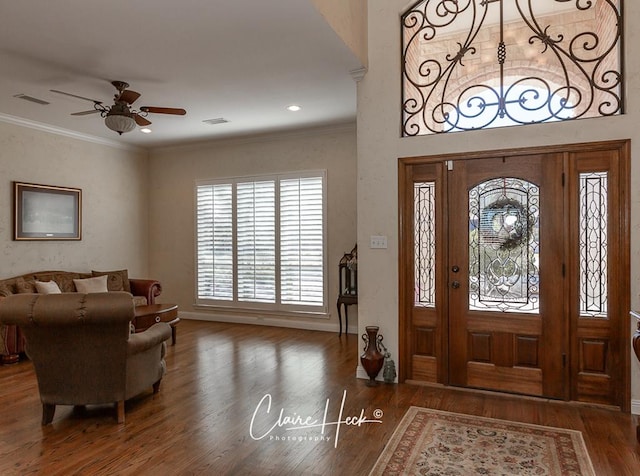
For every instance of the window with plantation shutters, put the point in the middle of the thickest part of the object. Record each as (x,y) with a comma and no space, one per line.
(301,241)
(261,242)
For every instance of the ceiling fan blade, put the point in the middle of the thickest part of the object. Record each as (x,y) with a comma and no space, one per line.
(129,96)
(75,96)
(141,121)
(164,110)
(85,113)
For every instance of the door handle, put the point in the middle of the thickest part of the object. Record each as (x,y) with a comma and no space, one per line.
(455,285)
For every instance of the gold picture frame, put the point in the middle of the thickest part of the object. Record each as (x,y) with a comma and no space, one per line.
(46,212)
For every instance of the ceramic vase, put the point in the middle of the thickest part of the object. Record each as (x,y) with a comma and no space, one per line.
(372,359)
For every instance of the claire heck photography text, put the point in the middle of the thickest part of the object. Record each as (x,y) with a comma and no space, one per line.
(282,425)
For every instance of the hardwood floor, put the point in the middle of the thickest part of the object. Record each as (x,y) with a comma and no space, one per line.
(200,423)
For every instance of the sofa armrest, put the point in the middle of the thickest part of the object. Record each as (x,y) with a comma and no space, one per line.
(149,288)
(156,334)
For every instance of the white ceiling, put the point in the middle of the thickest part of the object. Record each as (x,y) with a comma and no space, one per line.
(244,61)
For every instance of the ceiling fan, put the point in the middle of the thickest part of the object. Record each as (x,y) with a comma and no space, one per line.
(120,117)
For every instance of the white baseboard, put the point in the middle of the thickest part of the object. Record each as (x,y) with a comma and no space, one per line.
(266,321)
(361,373)
(635,407)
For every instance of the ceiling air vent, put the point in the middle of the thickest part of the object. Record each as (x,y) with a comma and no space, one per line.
(32,99)
(217,120)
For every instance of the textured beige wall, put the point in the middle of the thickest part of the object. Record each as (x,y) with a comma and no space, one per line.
(173,175)
(380,146)
(114,192)
(348,18)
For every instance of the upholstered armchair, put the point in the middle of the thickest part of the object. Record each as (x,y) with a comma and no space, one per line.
(82,349)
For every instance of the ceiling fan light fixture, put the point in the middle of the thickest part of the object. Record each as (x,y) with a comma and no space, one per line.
(120,123)
(120,117)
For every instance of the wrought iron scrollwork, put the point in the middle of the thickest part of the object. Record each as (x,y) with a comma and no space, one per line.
(545,67)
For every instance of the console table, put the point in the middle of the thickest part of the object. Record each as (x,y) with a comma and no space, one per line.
(146,316)
(344,300)
(348,294)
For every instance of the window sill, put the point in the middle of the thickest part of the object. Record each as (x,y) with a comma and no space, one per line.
(253,312)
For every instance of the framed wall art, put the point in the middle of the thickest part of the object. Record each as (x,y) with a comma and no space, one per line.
(45,212)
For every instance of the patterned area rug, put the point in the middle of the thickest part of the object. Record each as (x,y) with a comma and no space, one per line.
(431,442)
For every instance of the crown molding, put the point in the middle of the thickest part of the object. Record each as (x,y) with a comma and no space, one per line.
(18,121)
(243,139)
(358,74)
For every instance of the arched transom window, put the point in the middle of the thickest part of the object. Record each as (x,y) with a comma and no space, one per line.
(473,64)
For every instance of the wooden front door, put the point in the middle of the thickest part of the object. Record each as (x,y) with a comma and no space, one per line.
(506,324)
(514,271)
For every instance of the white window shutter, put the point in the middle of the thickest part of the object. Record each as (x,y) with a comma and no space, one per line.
(215,241)
(301,241)
(256,241)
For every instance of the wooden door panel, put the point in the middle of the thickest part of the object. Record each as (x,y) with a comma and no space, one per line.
(593,356)
(502,346)
(594,382)
(424,361)
(516,323)
(527,351)
(599,345)
(424,368)
(505,379)
(503,349)
(480,346)
(425,328)
(508,356)
(425,341)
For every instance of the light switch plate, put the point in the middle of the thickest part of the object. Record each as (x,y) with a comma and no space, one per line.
(378,242)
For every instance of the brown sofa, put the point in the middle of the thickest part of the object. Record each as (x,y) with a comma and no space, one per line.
(11,339)
(94,358)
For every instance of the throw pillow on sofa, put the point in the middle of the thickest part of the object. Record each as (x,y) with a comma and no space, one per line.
(91,285)
(47,287)
(116,280)
(63,279)
(5,291)
(23,286)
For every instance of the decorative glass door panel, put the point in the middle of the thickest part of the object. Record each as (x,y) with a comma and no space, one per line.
(504,246)
(425,243)
(593,244)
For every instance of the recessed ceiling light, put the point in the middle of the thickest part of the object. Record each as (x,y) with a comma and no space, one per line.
(217,120)
(145,130)
(293,108)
